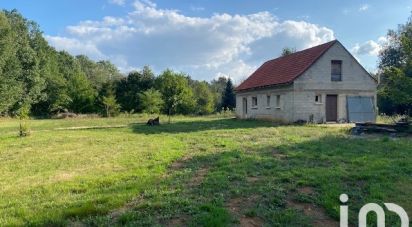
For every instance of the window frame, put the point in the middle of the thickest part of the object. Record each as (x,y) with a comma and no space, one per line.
(268,98)
(336,77)
(254,106)
(319,101)
(278,102)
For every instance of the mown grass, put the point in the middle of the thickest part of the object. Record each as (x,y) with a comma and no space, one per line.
(192,171)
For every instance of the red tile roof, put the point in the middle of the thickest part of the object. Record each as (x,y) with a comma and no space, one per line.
(285,69)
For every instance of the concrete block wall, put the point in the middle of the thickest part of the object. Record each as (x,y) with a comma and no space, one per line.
(262,111)
(298,99)
(317,81)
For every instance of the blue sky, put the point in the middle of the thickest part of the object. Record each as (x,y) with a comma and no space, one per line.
(210,38)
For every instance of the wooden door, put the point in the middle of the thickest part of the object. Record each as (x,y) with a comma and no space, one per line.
(331,108)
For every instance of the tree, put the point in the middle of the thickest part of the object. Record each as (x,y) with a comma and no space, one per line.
(287,50)
(395,71)
(228,97)
(204,98)
(110,105)
(22,68)
(98,73)
(80,91)
(395,93)
(127,89)
(176,92)
(217,87)
(151,101)
(10,88)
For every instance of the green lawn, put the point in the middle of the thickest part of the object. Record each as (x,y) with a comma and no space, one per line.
(196,171)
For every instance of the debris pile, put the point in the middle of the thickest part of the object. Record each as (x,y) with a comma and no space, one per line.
(402,126)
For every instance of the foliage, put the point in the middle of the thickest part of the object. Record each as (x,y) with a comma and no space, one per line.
(151,101)
(50,82)
(98,73)
(395,91)
(218,86)
(204,98)
(23,113)
(287,50)
(176,93)
(112,108)
(229,97)
(395,71)
(19,71)
(128,89)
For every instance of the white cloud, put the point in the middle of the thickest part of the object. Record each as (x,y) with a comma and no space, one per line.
(204,47)
(370,47)
(117,2)
(363,7)
(75,46)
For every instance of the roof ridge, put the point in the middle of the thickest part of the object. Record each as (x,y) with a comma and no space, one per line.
(285,69)
(297,52)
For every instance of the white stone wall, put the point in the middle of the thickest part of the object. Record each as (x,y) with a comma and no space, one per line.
(317,81)
(298,99)
(262,110)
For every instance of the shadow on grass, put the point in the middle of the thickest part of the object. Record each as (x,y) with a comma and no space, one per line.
(200,190)
(267,174)
(196,126)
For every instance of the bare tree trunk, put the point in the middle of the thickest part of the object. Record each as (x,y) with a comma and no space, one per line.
(107,111)
(168,113)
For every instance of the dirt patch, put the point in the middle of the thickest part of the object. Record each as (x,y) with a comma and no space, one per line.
(92,127)
(180,164)
(278,155)
(250,222)
(252,179)
(177,221)
(306,190)
(115,214)
(76,224)
(315,213)
(237,205)
(197,179)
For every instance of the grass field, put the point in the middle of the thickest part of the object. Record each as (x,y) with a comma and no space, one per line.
(197,171)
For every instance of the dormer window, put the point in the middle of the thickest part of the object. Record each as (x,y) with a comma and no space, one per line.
(336,70)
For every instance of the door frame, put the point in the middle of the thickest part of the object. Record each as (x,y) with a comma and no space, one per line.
(337,107)
(244,107)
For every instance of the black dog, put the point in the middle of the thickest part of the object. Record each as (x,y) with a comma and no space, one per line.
(152,122)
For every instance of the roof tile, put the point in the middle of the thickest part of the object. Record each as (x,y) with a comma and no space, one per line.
(285,69)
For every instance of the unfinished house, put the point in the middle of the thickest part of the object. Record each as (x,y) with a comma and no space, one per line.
(321,84)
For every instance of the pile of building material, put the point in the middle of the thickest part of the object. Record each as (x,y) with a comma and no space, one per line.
(402,126)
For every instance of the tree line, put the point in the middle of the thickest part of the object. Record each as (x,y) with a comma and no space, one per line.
(395,71)
(38,80)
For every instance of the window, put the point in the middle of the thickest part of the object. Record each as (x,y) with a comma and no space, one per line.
(254,102)
(318,99)
(267,101)
(336,72)
(278,101)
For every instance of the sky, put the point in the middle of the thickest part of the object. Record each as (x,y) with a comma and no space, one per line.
(207,39)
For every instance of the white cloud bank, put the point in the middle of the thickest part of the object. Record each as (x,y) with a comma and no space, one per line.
(370,47)
(204,47)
